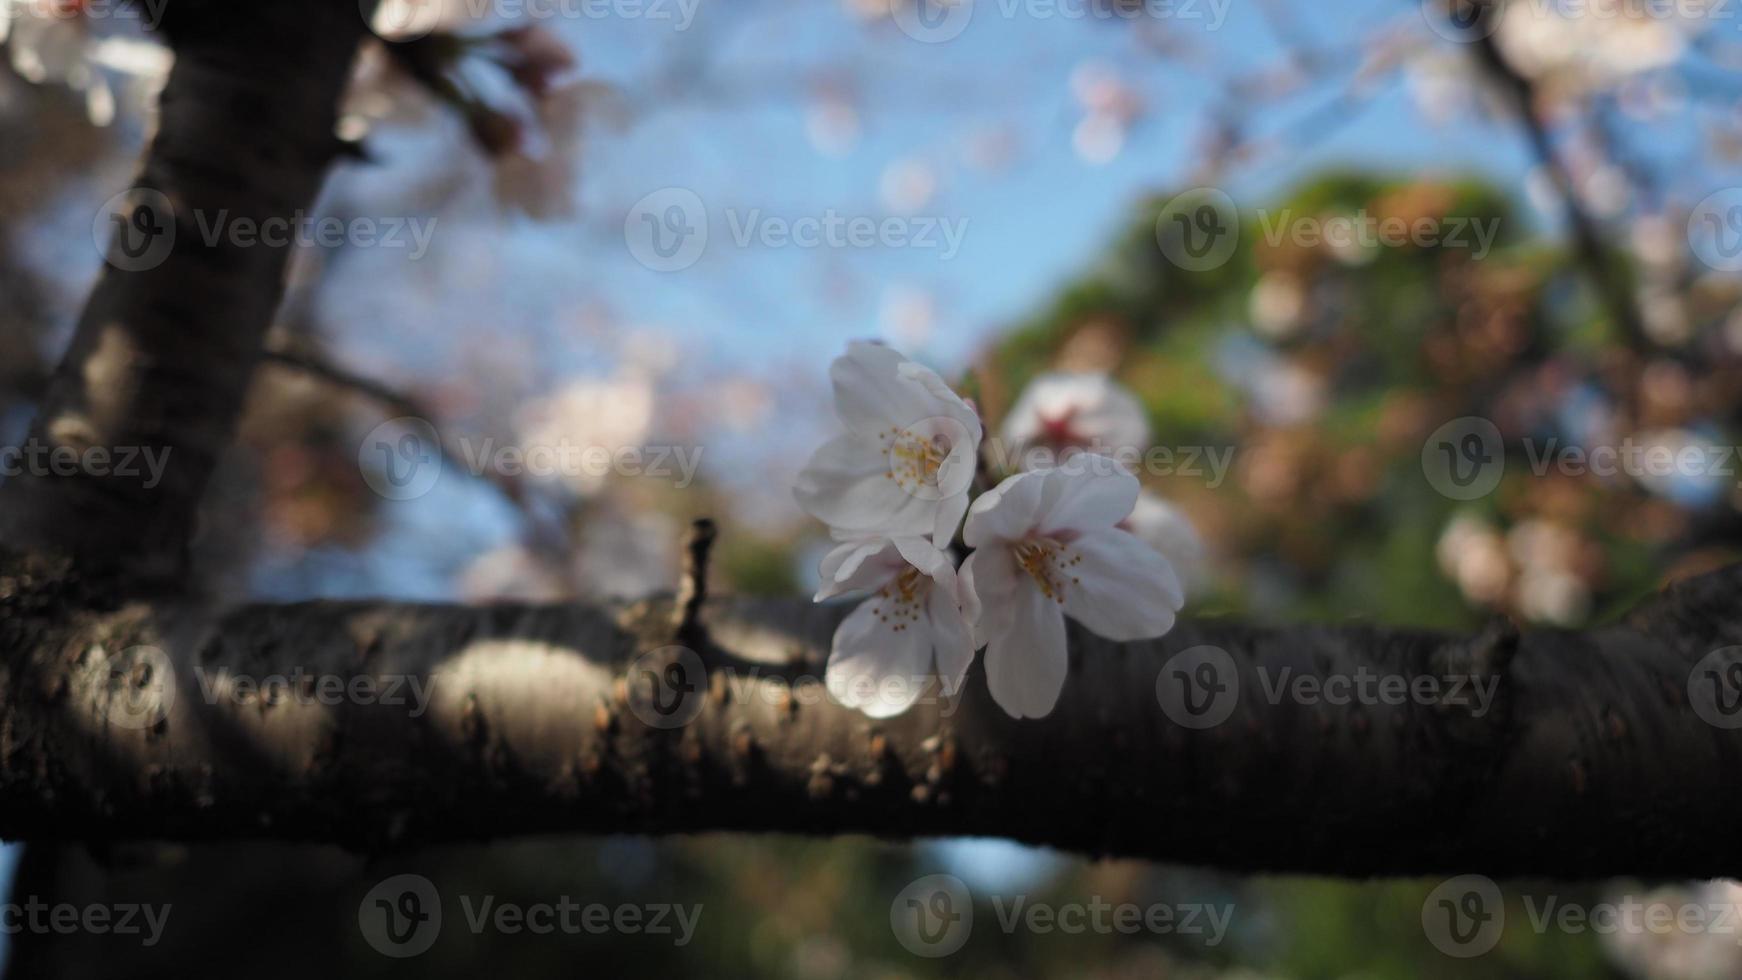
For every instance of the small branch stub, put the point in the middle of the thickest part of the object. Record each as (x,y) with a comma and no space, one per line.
(692,587)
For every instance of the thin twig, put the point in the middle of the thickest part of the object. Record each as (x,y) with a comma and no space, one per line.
(553,539)
(692,587)
(1587,241)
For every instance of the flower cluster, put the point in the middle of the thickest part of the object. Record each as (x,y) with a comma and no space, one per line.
(1046,542)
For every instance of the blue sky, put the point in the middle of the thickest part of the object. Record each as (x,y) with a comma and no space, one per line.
(736,135)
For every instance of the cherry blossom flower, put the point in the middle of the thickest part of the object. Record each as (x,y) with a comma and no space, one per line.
(1643,951)
(614,413)
(1575,53)
(52,42)
(914,625)
(1046,545)
(904,466)
(1060,414)
(1163,527)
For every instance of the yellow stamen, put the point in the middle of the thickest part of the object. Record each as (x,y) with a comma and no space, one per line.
(902,599)
(1048,563)
(914,461)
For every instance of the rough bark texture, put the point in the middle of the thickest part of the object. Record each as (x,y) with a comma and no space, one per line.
(1591,762)
(168,340)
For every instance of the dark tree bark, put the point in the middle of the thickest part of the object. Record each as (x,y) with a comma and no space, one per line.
(1590,761)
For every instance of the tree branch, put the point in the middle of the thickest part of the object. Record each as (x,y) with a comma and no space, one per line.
(1611,284)
(1589,760)
(550,537)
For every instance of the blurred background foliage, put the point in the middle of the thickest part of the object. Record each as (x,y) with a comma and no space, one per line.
(1325,368)
(1322,369)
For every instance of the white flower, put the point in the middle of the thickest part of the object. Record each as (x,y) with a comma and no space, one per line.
(53,42)
(1060,414)
(912,627)
(1577,53)
(1047,544)
(1163,527)
(905,464)
(561,435)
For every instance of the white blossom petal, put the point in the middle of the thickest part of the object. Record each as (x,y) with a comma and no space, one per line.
(1088,493)
(926,557)
(875,668)
(1122,589)
(1007,511)
(857,564)
(988,577)
(847,486)
(877,388)
(953,639)
(1026,659)
(943,401)
(870,392)
(1166,528)
(949,517)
